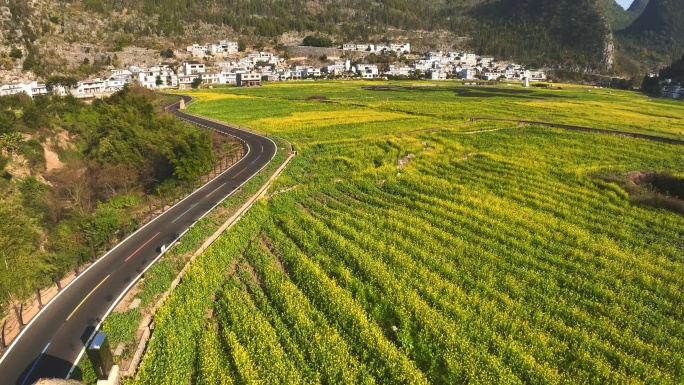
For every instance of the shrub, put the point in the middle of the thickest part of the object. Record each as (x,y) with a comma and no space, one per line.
(16,53)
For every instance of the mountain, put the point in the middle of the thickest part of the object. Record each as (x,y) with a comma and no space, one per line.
(659,29)
(541,32)
(83,37)
(617,17)
(637,7)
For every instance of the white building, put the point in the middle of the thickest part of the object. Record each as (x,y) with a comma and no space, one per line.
(469,58)
(248,80)
(511,74)
(90,87)
(223,46)
(672,92)
(114,84)
(537,75)
(433,56)
(13,89)
(437,75)
(117,79)
(367,71)
(467,74)
(492,75)
(120,74)
(197,50)
(311,72)
(289,75)
(486,60)
(192,68)
(227,77)
(31,89)
(261,57)
(400,48)
(185,81)
(337,68)
(396,70)
(210,77)
(159,76)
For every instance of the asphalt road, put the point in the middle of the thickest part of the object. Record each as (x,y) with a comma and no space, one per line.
(54,340)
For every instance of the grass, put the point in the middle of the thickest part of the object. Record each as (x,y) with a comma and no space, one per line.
(425,249)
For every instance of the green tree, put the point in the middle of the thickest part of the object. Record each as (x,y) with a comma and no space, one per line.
(21,265)
(34,197)
(167,53)
(314,41)
(190,155)
(64,81)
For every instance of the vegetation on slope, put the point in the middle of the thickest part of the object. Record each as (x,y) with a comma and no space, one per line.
(533,31)
(111,154)
(674,72)
(540,32)
(620,18)
(402,247)
(658,31)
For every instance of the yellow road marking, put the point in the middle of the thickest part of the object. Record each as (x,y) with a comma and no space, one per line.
(86,297)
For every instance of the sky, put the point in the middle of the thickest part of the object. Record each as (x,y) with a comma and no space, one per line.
(625,3)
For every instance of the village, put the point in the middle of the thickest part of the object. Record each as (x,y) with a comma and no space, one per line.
(221,63)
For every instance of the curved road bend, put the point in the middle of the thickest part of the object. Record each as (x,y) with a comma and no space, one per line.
(54,340)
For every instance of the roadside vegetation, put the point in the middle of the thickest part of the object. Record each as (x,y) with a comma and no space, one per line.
(78,177)
(408,245)
(123,325)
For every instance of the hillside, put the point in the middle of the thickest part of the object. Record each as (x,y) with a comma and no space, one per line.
(637,7)
(86,36)
(75,177)
(617,17)
(540,32)
(658,30)
(620,18)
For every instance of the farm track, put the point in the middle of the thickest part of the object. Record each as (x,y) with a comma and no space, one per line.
(585,129)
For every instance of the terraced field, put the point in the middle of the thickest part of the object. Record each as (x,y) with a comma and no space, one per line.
(406,245)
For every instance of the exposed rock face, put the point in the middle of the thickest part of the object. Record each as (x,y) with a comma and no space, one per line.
(609,51)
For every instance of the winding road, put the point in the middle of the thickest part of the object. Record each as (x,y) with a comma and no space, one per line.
(54,340)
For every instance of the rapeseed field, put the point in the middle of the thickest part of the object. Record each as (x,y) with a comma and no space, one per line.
(408,245)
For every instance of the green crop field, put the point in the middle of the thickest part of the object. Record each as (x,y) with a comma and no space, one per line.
(407,245)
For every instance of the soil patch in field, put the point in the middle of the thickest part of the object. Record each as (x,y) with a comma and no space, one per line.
(482,92)
(410,88)
(474,92)
(322,98)
(660,190)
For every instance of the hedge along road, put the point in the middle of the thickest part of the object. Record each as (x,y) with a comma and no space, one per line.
(53,342)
